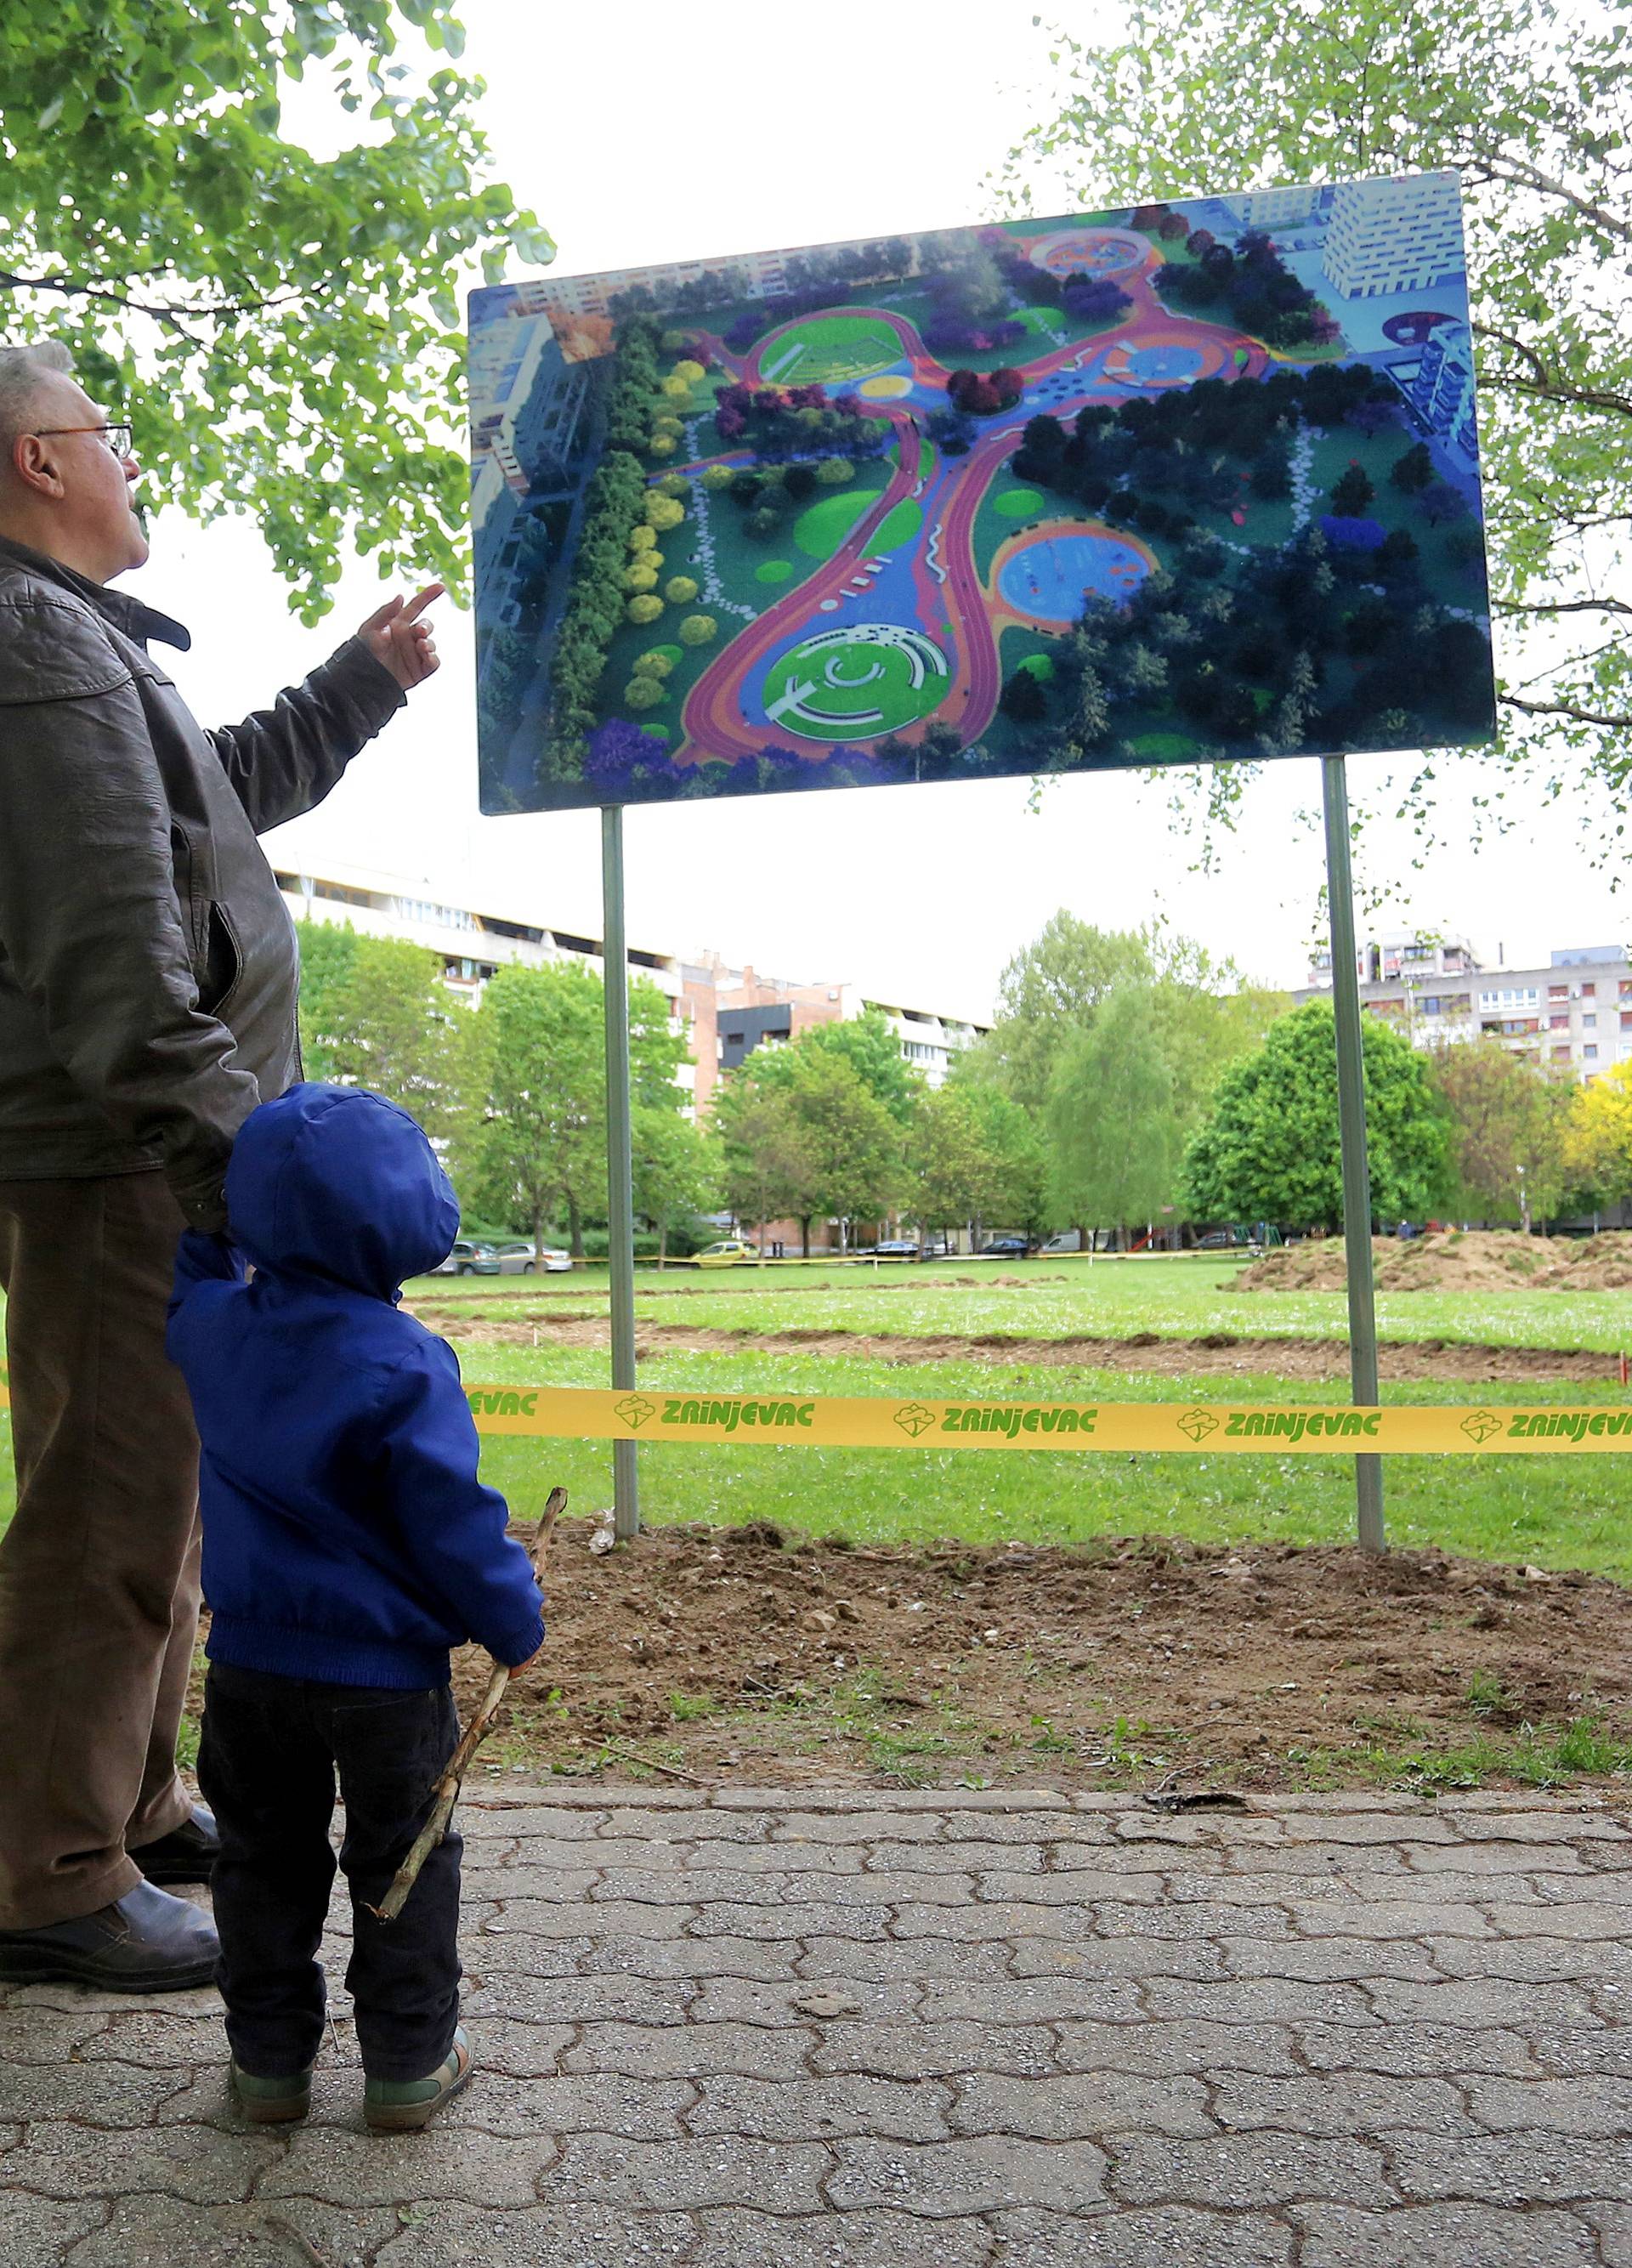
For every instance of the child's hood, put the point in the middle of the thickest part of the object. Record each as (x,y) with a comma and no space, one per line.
(337,1183)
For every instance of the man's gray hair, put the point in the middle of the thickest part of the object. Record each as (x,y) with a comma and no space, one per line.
(21,370)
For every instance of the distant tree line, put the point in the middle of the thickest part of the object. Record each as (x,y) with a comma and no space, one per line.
(824,277)
(1466,1130)
(1128,1079)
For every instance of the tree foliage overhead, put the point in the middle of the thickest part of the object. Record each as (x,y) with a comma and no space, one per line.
(282,328)
(1532,104)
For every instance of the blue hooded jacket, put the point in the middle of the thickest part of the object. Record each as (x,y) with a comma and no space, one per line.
(347,1537)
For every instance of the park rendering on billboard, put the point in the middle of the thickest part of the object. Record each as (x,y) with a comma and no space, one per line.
(1174,484)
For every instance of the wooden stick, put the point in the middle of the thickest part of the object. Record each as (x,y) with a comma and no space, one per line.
(446,1790)
(650,1763)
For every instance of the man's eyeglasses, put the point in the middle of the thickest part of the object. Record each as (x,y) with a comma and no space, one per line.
(119,436)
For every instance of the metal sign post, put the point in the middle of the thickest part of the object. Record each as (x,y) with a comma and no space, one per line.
(619,1160)
(1351,1127)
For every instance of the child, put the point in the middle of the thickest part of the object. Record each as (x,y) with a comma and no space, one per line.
(347,1544)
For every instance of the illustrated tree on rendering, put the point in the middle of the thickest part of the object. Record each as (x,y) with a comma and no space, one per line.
(1412,471)
(1352,491)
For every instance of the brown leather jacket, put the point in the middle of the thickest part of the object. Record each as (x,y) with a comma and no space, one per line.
(148,967)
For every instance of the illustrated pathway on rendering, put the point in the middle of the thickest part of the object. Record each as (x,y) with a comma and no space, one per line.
(949,2030)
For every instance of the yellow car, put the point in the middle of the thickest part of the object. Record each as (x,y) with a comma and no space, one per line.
(727,1253)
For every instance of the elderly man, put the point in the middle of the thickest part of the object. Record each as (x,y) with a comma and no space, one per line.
(148,973)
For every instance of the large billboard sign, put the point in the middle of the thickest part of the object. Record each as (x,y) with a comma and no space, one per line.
(1175,484)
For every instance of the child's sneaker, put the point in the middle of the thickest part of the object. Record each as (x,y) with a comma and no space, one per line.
(271,2102)
(397,2106)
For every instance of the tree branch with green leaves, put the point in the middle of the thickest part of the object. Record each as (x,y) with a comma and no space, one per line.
(282,328)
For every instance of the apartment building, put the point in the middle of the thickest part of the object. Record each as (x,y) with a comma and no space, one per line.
(1279,208)
(533,421)
(1442,389)
(725,1012)
(744,1010)
(1573,1015)
(1404,234)
(758,274)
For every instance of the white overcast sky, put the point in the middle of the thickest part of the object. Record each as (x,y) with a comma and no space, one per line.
(636,135)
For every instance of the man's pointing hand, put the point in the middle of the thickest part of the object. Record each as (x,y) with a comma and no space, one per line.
(397,639)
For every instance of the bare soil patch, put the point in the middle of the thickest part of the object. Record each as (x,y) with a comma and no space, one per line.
(1472,1260)
(749,1654)
(1213,1354)
(752,1656)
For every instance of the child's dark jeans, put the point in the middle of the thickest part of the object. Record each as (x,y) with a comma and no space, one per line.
(267,1766)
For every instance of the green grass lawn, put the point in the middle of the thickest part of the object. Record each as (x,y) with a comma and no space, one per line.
(826,348)
(1072,1297)
(1555,1512)
(822,526)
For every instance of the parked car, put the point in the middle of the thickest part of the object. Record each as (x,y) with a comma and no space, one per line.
(727,1252)
(524,1258)
(468,1258)
(934,1248)
(1227,1239)
(896,1247)
(1008,1248)
(1064,1239)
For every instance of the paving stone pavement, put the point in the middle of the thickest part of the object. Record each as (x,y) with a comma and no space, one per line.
(768,2029)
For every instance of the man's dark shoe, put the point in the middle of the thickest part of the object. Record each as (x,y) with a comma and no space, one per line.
(187,1854)
(146,1941)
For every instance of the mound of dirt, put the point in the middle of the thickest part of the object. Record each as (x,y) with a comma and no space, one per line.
(1457,1260)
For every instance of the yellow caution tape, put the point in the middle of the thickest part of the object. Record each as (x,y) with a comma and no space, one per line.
(843,1421)
(853,1421)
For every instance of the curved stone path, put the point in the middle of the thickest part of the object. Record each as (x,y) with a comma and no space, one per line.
(800,2029)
